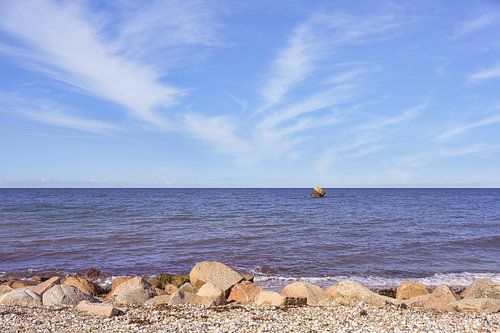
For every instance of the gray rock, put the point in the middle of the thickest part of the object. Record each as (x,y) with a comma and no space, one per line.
(21,296)
(134,291)
(64,294)
(185,297)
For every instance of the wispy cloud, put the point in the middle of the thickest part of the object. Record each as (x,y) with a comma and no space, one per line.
(461,129)
(475,24)
(475,149)
(394,120)
(485,74)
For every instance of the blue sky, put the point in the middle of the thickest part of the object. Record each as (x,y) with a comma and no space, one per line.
(277,94)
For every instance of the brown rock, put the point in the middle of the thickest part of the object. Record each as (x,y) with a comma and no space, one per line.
(185,297)
(244,292)
(5,289)
(116,282)
(46,285)
(15,284)
(84,285)
(295,301)
(313,294)
(409,289)
(247,277)
(170,289)
(161,280)
(269,298)
(416,302)
(160,292)
(98,309)
(134,291)
(210,291)
(440,298)
(482,288)
(188,287)
(216,273)
(487,305)
(346,291)
(94,273)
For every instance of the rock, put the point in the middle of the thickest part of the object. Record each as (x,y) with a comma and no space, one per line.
(160,292)
(64,294)
(210,291)
(161,280)
(408,289)
(94,273)
(170,289)
(269,298)
(247,277)
(488,305)
(313,294)
(99,309)
(116,282)
(216,273)
(439,299)
(346,291)
(181,297)
(84,285)
(21,296)
(416,302)
(162,299)
(244,292)
(5,289)
(46,285)
(134,291)
(295,301)
(188,287)
(482,288)
(15,284)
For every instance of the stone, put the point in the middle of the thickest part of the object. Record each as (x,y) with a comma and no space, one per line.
(244,292)
(21,296)
(247,277)
(482,288)
(314,294)
(439,299)
(99,309)
(486,305)
(5,289)
(269,298)
(295,301)
(346,291)
(161,280)
(61,294)
(162,299)
(318,192)
(46,285)
(116,282)
(160,292)
(417,301)
(408,289)
(14,284)
(181,297)
(216,273)
(84,285)
(210,291)
(188,287)
(170,289)
(134,291)
(94,273)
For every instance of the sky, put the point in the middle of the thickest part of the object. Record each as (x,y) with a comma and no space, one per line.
(276,93)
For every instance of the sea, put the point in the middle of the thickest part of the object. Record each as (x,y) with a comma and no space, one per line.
(374,236)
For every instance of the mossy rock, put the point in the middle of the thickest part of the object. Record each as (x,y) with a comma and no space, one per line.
(163,279)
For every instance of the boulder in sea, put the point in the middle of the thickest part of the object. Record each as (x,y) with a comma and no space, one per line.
(5,289)
(439,299)
(99,309)
(62,294)
(217,295)
(84,285)
(314,294)
(318,192)
(244,292)
(181,297)
(485,305)
(216,273)
(134,291)
(482,288)
(408,289)
(46,285)
(348,291)
(21,296)
(170,289)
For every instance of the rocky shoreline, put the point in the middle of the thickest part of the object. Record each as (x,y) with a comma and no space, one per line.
(216,298)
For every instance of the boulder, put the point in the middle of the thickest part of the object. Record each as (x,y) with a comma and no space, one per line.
(408,289)
(162,299)
(247,277)
(313,294)
(134,291)
(116,282)
(489,305)
(99,309)
(21,296)
(439,299)
(15,284)
(161,280)
(160,292)
(416,302)
(216,273)
(46,285)
(170,289)
(482,288)
(210,291)
(84,285)
(188,287)
(244,292)
(5,289)
(347,291)
(181,297)
(94,273)
(269,298)
(63,294)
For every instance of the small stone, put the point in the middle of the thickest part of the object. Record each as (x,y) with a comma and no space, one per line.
(98,309)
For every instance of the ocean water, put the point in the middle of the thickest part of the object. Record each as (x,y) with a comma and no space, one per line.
(375,236)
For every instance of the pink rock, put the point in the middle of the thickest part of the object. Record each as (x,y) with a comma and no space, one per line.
(98,309)
(46,285)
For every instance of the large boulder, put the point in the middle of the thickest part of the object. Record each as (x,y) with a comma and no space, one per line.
(15,284)
(170,289)
(217,295)
(313,294)
(417,301)
(134,291)
(84,285)
(348,291)
(439,299)
(63,294)
(244,292)
(46,285)
(5,289)
(216,273)
(21,296)
(489,305)
(181,297)
(98,309)
(269,298)
(116,282)
(408,289)
(482,288)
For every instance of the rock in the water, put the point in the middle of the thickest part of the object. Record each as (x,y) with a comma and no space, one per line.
(489,305)
(216,273)
(210,291)
(134,291)
(21,296)
(63,294)
(84,285)
(346,291)
(439,299)
(185,297)
(313,294)
(98,309)
(170,289)
(482,288)
(269,298)
(162,299)
(46,285)
(408,289)
(5,289)
(244,292)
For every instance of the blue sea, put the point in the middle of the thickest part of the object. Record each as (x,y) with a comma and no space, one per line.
(375,236)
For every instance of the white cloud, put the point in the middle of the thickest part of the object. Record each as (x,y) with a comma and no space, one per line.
(461,129)
(399,118)
(475,24)
(475,149)
(485,74)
